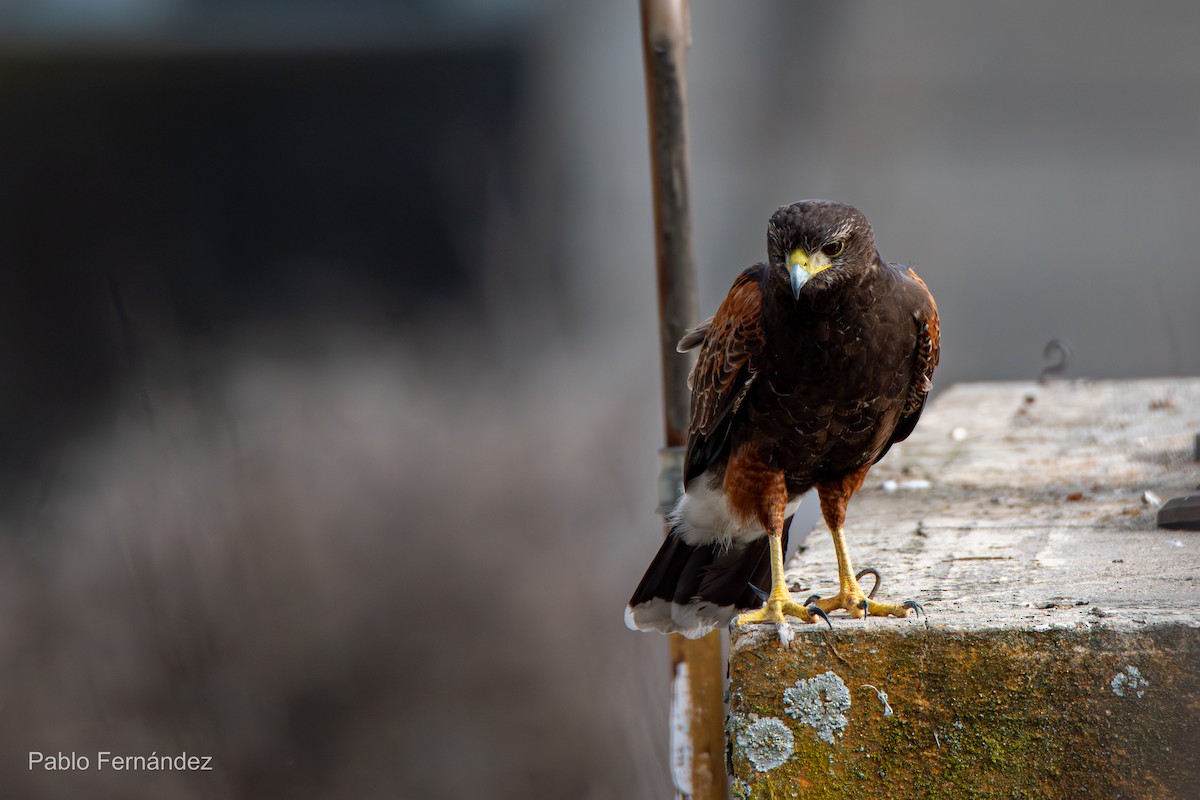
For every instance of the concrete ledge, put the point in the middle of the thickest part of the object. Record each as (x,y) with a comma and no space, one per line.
(1059,654)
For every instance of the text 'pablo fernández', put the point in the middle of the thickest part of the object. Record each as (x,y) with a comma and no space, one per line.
(104,760)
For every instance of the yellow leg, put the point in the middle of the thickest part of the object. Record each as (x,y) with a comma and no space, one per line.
(779,602)
(850,595)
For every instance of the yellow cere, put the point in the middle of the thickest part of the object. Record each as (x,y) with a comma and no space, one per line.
(813,264)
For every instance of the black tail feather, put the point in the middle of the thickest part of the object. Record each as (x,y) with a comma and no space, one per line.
(708,575)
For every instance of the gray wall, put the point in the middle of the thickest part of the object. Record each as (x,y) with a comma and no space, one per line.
(1039,164)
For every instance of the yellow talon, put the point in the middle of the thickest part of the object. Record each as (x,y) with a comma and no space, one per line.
(779,604)
(851,597)
(774,610)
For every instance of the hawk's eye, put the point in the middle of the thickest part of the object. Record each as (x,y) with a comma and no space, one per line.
(833,248)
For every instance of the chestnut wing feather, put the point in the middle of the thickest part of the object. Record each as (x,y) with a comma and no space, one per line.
(725,369)
(925,358)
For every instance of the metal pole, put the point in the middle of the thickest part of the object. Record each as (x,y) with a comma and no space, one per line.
(697,704)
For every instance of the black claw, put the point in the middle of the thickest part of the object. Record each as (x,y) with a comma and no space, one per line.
(865,605)
(812,598)
(915,606)
(761,594)
(816,611)
(875,573)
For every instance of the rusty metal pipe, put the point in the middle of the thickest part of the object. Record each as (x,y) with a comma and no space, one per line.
(697,712)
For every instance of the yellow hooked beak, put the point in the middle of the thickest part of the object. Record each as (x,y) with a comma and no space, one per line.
(802,266)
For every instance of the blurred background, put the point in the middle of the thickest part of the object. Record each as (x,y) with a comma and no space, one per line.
(330,406)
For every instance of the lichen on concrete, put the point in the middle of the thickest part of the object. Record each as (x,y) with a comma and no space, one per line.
(820,702)
(767,742)
(740,789)
(990,715)
(1130,680)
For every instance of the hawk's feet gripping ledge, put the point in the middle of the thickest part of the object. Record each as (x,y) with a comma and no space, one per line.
(778,606)
(851,598)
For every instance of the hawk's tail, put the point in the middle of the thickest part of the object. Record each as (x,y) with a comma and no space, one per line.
(691,589)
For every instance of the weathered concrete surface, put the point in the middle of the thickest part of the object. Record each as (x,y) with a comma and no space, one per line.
(1059,657)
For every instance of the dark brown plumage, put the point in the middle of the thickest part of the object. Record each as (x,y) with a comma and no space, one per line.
(814,365)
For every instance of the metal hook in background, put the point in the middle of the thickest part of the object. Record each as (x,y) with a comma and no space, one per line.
(1063,348)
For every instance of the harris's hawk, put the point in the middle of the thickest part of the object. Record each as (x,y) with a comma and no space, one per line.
(814,365)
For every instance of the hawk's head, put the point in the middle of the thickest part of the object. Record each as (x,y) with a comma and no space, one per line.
(817,243)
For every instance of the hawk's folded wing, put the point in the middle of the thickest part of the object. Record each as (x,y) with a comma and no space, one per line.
(925,357)
(732,342)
